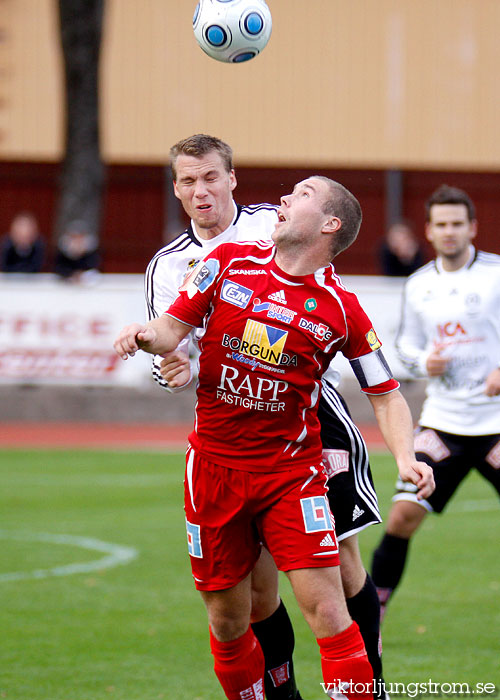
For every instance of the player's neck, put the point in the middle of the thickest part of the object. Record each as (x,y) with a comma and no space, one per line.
(206,234)
(299,265)
(452,264)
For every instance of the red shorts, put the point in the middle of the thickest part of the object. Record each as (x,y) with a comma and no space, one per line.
(230,513)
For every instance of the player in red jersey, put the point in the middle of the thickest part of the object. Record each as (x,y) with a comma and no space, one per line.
(204,182)
(254,471)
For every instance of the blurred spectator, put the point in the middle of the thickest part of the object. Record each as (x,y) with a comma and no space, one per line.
(22,249)
(400,253)
(77,258)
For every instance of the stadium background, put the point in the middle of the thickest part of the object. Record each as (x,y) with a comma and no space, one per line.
(392,97)
(359,90)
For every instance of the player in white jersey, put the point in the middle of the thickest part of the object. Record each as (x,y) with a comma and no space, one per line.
(269,493)
(204,180)
(449,332)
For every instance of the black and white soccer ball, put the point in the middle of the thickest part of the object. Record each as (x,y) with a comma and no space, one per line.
(232,31)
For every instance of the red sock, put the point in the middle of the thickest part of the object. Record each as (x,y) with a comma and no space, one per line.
(239,666)
(346,670)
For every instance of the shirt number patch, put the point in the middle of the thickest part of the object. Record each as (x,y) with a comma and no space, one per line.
(316,514)
(194,540)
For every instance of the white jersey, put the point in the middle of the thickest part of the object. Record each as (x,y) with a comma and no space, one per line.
(167,270)
(460,311)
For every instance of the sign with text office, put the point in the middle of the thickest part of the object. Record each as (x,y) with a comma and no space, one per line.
(57,332)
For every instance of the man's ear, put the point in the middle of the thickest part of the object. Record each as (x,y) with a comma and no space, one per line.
(232,180)
(473,229)
(176,191)
(332,225)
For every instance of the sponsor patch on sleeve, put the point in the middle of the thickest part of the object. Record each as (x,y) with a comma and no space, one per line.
(372,339)
(201,277)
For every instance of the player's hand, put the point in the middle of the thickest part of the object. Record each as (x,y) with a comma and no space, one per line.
(175,369)
(493,383)
(132,338)
(420,474)
(436,364)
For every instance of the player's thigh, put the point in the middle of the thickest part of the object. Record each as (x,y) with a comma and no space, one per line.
(489,465)
(447,455)
(222,541)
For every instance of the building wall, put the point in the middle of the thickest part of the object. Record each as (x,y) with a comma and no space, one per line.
(358,84)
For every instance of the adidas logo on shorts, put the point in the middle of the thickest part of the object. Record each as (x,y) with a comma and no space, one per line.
(327,541)
(278,296)
(357,512)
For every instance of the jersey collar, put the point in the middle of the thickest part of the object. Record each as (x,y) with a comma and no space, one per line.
(294,280)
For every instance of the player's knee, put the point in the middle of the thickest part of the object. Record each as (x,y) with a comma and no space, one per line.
(226,627)
(328,618)
(404,518)
(264,604)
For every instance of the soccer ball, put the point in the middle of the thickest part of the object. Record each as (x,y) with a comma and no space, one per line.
(232,31)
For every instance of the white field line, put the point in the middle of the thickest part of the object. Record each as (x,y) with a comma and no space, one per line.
(115,555)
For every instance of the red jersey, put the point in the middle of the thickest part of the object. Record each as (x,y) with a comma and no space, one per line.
(269,337)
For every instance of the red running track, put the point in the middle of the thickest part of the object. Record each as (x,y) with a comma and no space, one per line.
(117,435)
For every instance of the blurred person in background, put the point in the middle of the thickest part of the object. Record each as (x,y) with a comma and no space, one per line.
(77,257)
(400,253)
(450,333)
(22,248)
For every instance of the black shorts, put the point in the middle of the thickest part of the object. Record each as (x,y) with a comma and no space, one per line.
(452,457)
(351,492)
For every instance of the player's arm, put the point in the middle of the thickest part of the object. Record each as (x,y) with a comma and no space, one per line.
(160,291)
(411,342)
(159,336)
(492,384)
(396,425)
(175,369)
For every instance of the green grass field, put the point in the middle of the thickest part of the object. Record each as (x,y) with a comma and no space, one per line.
(137,631)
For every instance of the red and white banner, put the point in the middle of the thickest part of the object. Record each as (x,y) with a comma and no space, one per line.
(56,332)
